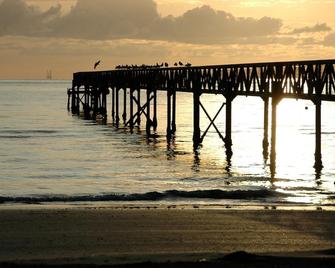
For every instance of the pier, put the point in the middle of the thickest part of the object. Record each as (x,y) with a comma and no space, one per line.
(271,81)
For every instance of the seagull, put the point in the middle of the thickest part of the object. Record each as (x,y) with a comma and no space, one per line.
(96,64)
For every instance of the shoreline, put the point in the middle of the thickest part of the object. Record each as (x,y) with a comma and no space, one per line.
(127,235)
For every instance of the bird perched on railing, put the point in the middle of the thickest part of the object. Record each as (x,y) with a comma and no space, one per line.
(96,64)
(166,64)
(181,64)
(188,65)
(175,64)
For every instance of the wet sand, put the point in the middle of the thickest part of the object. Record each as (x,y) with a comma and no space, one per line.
(119,235)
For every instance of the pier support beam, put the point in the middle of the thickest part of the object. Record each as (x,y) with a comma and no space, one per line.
(196,119)
(78,101)
(131,108)
(171,113)
(318,156)
(174,110)
(154,120)
(168,116)
(113,104)
(148,123)
(266,127)
(228,138)
(68,99)
(124,115)
(276,98)
(117,117)
(139,108)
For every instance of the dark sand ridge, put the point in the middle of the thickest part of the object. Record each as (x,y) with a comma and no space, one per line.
(113,235)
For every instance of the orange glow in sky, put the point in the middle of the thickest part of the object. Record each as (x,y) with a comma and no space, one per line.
(70,35)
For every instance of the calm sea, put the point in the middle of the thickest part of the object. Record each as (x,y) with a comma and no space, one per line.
(48,155)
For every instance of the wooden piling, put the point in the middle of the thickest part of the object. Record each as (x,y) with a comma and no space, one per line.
(318,155)
(276,98)
(228,139)
(131,108)
(196,119)
(77,101)
(148,123)
(113,104)
(266,126)
(139,108)
(174,111)
(68,99)
(168,117)
(117,118)
(124,115)
(154,120)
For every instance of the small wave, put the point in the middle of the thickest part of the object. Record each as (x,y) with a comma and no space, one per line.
(28,131)
(150,196)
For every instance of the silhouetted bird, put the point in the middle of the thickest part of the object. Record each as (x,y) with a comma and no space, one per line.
(180,63)
(176,64)
(96,64)
(188,64)
(166,64)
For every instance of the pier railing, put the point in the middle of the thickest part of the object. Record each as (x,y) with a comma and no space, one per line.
(300,79)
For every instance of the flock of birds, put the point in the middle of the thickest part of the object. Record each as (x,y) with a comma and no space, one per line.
(157,65)
(145,66)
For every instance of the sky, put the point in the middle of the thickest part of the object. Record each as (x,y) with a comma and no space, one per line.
(67,36)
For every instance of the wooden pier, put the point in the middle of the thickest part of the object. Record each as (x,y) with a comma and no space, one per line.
(310,80)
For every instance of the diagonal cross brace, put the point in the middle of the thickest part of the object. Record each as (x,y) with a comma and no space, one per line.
(212,121)
(142,110)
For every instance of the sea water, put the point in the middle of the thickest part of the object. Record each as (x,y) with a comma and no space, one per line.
(48,155)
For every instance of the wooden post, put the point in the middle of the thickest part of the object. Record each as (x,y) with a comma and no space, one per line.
(68,99)
(86,103)
(168,104)
(78,100)
(113,104)
(318,156)
(154,120)
(174,108)
(124,115)
(228,139)
(266,127)
(131,107)
(117,118)
(196,118)
(148,124)
(276,98)
(139,107)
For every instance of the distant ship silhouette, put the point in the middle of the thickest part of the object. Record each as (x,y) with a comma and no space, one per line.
(49,75)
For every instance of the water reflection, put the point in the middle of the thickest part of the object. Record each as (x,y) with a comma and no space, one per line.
(196,160)
(289,165)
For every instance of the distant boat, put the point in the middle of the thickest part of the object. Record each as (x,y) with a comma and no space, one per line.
(49,75)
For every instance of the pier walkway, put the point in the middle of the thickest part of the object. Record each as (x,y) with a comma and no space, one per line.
(271,81)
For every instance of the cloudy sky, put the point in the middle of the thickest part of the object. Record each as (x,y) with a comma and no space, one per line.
(69,35)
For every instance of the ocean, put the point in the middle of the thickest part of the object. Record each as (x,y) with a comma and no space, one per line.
(49,156)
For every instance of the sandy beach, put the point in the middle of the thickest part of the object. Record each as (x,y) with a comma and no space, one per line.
(119,235)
